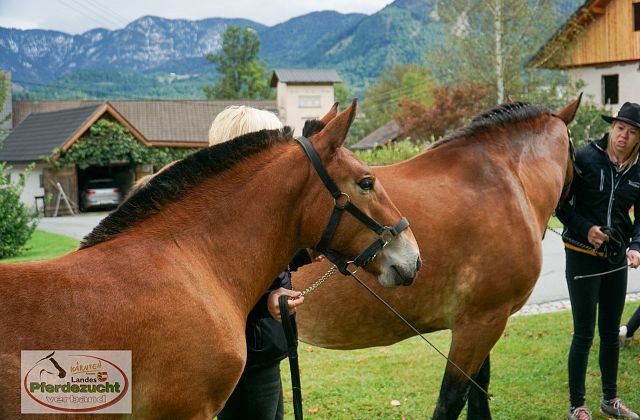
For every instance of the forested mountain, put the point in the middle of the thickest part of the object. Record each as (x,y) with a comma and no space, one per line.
(164,58)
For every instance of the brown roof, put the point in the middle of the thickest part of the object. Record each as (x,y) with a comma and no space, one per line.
(42,132)
(379,137)
(181,123)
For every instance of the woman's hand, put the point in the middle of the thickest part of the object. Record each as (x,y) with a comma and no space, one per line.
(596,237)
(274,307)
(634,258)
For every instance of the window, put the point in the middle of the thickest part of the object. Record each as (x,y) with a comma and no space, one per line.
(309,101)
(610,89)
(636,16)
(41,177)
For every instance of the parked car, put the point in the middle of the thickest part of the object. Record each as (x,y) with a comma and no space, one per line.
(103,192)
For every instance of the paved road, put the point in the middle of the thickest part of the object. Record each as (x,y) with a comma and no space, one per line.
(551,286)
(74,226)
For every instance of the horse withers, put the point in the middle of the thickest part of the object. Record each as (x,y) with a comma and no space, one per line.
(172,274)
(479,202)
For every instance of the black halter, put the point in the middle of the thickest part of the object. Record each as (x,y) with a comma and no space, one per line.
(343,202)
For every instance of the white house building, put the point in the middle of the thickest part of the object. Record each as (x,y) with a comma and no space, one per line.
(303,95)
(599,45)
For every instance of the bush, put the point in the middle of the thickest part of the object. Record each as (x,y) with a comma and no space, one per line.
(17,222)
(391,153)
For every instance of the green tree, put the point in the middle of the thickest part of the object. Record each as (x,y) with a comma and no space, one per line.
(488,42)
(4,93)
(242,74)
(382,101)
(17,222)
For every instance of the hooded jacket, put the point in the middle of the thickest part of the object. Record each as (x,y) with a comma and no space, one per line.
(601,196)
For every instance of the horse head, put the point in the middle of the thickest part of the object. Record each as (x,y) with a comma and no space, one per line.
(375,219)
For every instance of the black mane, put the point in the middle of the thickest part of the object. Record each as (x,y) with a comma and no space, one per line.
(497,117)
(311,127)
(171,184)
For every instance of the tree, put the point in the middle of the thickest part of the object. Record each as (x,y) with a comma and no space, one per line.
(242,74)
(452,108)
(490,41)
(17,222)
(382,100)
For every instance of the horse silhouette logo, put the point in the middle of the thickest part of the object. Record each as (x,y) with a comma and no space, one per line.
(50,366)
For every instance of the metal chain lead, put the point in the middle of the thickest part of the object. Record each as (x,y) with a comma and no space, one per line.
(570,240)
(318,282)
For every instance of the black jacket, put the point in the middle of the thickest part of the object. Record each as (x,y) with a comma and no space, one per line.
(266,342)
(601,196)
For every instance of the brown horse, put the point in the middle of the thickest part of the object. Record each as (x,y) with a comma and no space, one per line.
(172,274)
(479,202)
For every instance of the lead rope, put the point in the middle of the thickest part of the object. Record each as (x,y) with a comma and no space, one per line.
(581,245)
(292,341)
(415,330)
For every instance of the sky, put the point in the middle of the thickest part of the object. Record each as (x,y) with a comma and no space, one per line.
(78,16)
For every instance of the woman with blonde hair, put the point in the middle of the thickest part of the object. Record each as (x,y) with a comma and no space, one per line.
(258,394)
(600,242)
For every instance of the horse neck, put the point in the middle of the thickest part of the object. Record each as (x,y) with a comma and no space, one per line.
(238,232)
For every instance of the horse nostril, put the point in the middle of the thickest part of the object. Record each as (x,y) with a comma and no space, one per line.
(418,263)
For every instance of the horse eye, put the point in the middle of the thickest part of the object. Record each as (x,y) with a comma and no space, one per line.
(366,184)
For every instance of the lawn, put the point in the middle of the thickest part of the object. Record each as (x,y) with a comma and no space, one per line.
(529,379)
(45,245)
(528,366)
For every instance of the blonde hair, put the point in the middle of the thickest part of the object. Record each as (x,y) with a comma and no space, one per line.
(235,121)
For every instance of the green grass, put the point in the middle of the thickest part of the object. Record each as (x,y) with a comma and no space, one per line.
(45,245)
(528,381)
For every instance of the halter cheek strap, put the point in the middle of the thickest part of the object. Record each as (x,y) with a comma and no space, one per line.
(342,202)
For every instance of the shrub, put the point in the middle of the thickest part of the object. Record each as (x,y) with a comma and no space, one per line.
(17,222)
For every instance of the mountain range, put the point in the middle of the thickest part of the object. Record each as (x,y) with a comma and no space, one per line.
(157,57)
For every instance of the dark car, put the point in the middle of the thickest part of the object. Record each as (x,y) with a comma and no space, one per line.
(102,192)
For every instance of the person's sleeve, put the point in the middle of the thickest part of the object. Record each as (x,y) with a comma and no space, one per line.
(635,236)
(566,211)
(300,259)
(260,310)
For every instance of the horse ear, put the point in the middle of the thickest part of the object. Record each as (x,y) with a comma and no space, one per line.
(568,113)
(509,99)
(335,132)
(331,114)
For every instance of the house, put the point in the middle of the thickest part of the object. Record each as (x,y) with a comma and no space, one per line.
(39,127)
(303,94)
(43,126)
(600,45)
(379,137)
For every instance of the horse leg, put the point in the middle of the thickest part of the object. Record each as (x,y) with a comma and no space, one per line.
(478,405)
(470,347)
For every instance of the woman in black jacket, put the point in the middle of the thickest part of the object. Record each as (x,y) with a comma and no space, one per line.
(597,233)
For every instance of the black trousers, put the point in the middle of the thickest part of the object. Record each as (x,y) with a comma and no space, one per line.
(600,297)
(258,396)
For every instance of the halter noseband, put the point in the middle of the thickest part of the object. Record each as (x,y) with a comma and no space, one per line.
(343,202)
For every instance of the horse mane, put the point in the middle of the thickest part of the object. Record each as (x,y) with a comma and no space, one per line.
(171,184)
(500,116)
(311,127)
